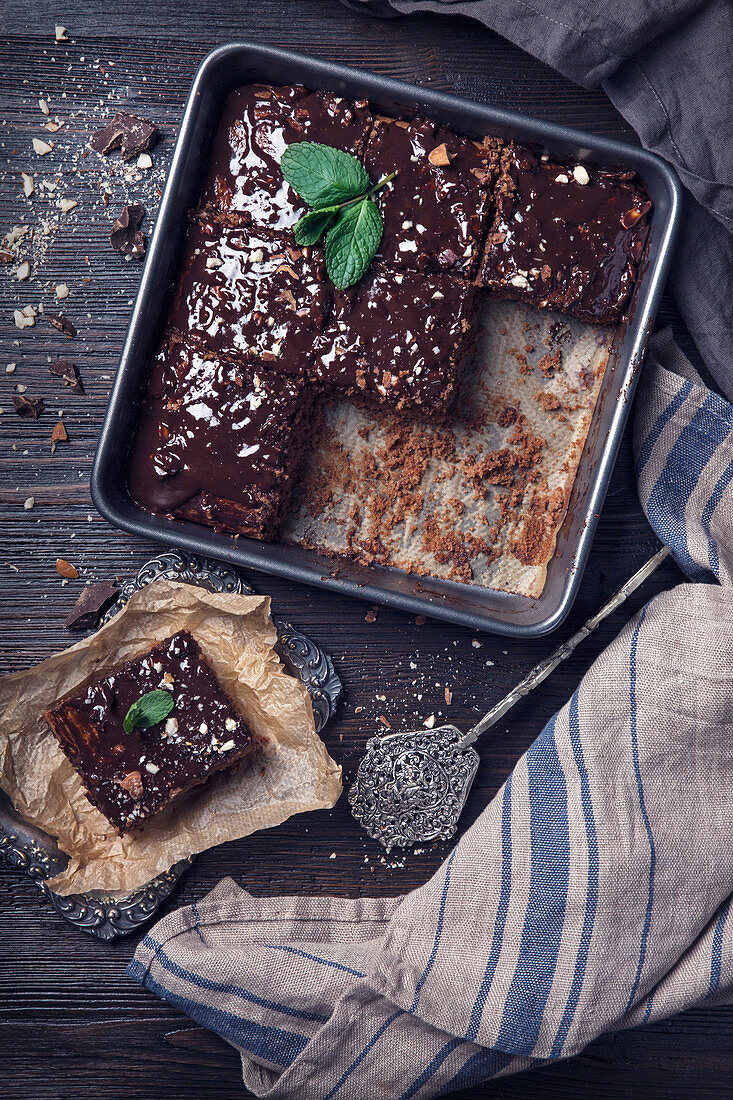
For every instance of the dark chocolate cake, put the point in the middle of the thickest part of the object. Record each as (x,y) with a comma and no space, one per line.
(258,337)
(130,776)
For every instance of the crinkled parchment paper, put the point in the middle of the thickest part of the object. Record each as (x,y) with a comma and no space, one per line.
(290,774)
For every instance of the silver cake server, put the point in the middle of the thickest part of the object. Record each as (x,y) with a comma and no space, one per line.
(411,788)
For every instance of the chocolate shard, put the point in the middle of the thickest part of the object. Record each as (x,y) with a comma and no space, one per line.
(69,372)
(106,139)
(93,599)
(29,408)
(128,133)
(63,324)
(126,236)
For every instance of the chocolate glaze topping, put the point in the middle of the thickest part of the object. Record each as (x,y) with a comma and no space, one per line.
(397,337)
(434,213)
(250,292)
(258,124)
(566,237)
(130,777)
(207,426)
(256,330)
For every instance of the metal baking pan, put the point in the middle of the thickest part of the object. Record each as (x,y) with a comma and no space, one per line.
(480,608)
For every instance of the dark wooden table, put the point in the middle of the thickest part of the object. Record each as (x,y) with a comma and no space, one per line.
(72,1024)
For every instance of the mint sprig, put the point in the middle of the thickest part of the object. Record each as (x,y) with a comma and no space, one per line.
(148,710)
(312,226)
(323,176)
(352,242)
(338,188)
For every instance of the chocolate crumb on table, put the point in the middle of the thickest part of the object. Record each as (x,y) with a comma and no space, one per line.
(129,777)
(217,442)
(258,123)
(251,292)
(62,323)
(58,435)
(68,372)
(565,236)
(398,338)
(436,209)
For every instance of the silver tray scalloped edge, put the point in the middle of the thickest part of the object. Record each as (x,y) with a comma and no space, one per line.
(37,855)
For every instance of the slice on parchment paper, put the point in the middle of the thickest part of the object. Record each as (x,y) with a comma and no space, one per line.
(291,773)
(479,496)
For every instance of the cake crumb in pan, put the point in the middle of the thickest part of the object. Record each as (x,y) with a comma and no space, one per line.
(475,497)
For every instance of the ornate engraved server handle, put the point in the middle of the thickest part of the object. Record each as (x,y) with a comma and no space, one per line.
(541,671)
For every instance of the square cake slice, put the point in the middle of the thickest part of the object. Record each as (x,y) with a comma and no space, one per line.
(397,338)
(565,236)
(258,124)
(130,776)
(218,443)
(250,292)
(437,208)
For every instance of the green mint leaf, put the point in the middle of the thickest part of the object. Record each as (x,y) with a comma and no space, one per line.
(148,710)
(322,175)
(352,242)
(312,226)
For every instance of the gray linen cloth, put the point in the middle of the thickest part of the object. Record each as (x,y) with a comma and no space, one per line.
(667,65)
(592,894)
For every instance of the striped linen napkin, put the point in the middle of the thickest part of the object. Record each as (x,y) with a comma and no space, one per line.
(591,895)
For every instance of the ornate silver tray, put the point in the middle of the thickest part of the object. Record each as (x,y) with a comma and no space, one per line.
(38,856)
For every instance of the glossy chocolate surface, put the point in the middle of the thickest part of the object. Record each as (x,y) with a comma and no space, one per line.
(130,777)
(250,292)
(224,424)
(434,215)
(258,124)
(216,438)
(566,237)
(397,337)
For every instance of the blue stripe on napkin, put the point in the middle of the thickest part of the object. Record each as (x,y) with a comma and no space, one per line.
(226,988)
(591,898)
(642,808)
(271,1044)
(501,912)
(548,891)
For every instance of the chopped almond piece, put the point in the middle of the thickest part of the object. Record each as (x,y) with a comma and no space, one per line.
(133,784)
(439,156)
(66,570)
(58,435)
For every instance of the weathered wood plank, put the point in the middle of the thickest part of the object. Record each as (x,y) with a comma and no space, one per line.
(73,1024)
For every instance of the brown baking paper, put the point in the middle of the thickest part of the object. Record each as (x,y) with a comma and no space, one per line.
(290,774)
